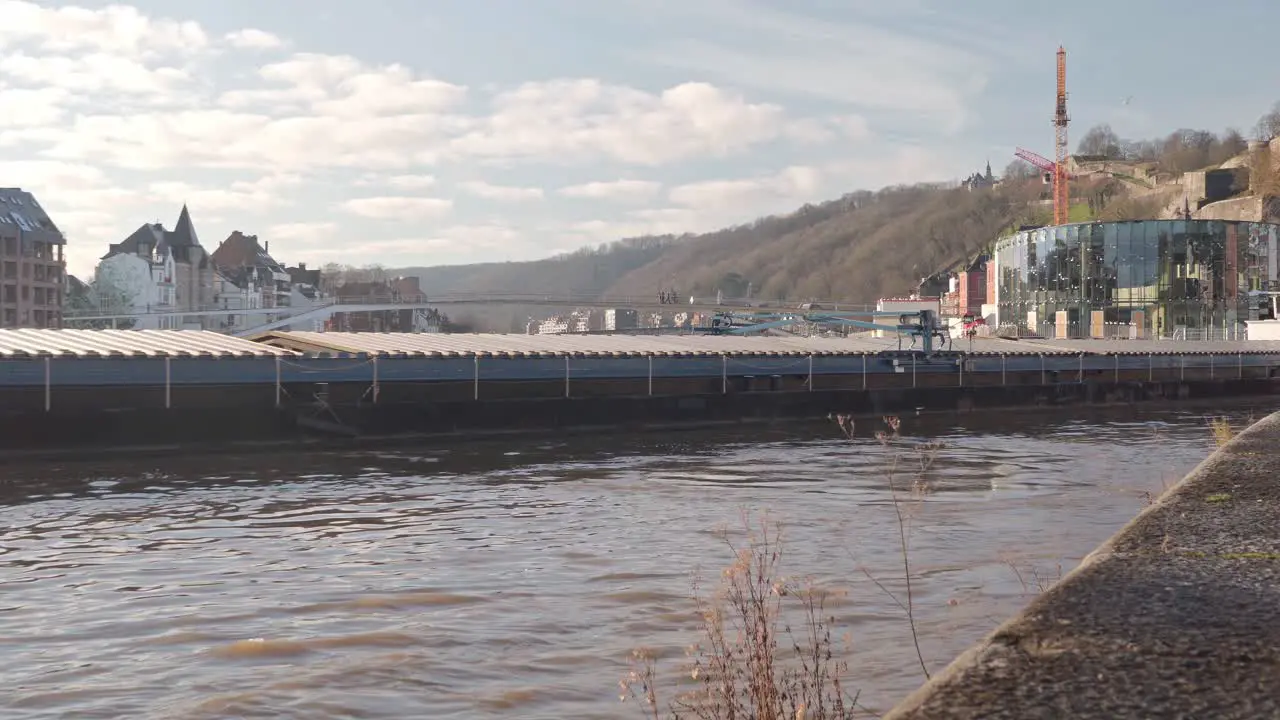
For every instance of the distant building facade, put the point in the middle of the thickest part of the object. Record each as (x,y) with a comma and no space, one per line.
(156,270)
(237,289)
(620,319)
(395,290)
(1143,278)
(967,290)
(33,269)
(241,253)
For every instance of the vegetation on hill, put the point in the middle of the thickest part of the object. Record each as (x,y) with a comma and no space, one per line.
(863,246)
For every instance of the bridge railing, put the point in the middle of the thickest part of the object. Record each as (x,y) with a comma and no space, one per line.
(555,298)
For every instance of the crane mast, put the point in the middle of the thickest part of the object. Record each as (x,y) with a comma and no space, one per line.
(1061,196)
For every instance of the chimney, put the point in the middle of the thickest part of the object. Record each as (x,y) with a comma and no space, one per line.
(266,247)
(302,267)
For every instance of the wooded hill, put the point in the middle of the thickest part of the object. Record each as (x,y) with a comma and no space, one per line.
(858,248)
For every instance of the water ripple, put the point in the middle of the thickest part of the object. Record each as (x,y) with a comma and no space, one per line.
(503,580)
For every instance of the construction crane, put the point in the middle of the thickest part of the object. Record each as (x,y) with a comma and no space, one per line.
(1061,196)
(1046,165)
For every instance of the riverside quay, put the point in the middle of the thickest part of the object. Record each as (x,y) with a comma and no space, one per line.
(116,389)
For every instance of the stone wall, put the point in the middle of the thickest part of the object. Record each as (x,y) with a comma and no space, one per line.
(1175,616)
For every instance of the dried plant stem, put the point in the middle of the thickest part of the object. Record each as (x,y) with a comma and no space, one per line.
(906,574)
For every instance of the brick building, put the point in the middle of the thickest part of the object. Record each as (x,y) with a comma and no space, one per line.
(32,266)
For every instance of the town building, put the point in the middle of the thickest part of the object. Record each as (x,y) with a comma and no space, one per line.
(240,252)
(1137,279)
(966,290)
(620,319)
(32,266)
(237,289)
(396,290)
(156,270)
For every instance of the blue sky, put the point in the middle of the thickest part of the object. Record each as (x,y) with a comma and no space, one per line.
(402,132)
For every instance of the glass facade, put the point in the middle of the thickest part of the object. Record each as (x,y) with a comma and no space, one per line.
(1152,275)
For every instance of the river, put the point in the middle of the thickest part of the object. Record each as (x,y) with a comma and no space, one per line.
(513,579)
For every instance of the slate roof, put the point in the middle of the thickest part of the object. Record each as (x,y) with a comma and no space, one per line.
(20,211)
(182,242)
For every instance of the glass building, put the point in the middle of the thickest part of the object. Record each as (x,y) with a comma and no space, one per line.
(1149,277)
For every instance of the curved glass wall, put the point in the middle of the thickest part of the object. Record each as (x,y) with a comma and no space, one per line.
(1154,276)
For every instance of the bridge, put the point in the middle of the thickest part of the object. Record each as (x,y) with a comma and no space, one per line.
(286,316)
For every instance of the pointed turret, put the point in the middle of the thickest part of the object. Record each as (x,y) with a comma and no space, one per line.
(184,233)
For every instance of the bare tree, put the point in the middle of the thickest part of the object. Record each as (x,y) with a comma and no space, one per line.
(1020,170)
(1268,125)
(1100,141)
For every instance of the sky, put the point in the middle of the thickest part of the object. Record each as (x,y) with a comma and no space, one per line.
(426,132)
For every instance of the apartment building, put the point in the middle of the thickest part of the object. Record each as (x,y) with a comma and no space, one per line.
(32,266)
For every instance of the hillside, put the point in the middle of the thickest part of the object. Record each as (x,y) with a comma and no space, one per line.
(860,247)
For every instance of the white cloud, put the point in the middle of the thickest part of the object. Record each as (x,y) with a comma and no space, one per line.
(120,117)
(244,196)
(466,243)
(485,190)
(115,29)
(32,108)
(626,190)
(585,119)
(908,69)
(411,182)
(253,39)
(398,208)
(792,185)
(92,73)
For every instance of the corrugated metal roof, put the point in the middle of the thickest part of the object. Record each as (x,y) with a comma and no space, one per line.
(136,343)
(442,344)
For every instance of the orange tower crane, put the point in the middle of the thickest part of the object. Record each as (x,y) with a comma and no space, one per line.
(1061,196)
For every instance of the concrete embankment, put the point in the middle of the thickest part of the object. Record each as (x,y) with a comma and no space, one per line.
(1177,616)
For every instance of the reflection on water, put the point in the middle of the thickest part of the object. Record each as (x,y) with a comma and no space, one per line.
(501,580)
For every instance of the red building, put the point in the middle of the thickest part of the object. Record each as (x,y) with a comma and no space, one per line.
(970,290)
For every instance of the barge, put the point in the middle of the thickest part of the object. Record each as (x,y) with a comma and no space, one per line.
(112,389)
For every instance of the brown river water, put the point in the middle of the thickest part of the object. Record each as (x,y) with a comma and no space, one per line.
(513,579)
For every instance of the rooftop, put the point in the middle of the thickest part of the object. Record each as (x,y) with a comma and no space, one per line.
(128,343)
(19,343)
(444,344)
(20,211)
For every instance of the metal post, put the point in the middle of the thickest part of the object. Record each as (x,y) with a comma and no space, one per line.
(1151,372)
(724,374)
(960,362)
(1042,382)
(375,379)
(277,381)
(1117,359)
(913,369)
(168,380)
(1081,375)
(1003,381)
(650,374)
(811,371)
(475,393)
(1210,366)
(1239,366)
(1182,362)
(864,371)
(566,376)
(48,385)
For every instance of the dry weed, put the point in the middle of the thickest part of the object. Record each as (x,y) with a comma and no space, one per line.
(738,671)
